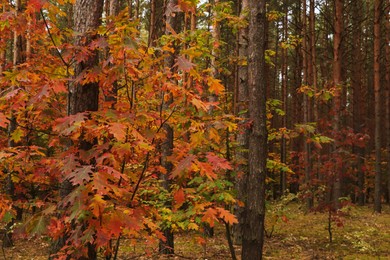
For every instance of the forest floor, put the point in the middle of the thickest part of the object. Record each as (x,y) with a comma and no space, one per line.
(296,235)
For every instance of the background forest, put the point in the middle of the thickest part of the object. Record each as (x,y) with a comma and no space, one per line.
(135,122)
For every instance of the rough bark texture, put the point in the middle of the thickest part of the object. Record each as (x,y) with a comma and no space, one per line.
(87,15)
(242,136)
(306,104)
(83,97)
(388,95)
(254,209)
(167,246)
(283,148)
(337,83)
(358,101)
(377,93)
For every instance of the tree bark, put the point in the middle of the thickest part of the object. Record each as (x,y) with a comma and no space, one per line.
(242,136)
(337,83)
(377,93)
(358,101)
(83,97)
(388,95)
(167,246)
(254,209)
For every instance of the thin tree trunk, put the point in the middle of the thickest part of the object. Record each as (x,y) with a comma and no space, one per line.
(254,209)
(167,246)
(358,101)
(307,67)
(283,149)
(388,95)
(337,83)
(242,136)
(377,92)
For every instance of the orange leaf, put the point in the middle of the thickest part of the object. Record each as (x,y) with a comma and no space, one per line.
(227,216)
(210,216)
(179,198)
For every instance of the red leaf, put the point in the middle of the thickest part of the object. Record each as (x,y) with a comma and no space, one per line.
(184,64)
(3,120)
(183,165)
(37,4)
(80,175)
(179,198)
(218,162)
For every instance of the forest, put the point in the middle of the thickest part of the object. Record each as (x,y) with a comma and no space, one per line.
(194,129)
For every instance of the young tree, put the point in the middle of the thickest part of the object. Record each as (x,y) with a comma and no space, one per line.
(254,209)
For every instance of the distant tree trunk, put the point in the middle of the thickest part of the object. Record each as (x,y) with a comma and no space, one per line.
(337,83)
(254,209)
(283,148)
(242,136)
(388,95)
(167,246)
(358,100)
(306,104)
(377,92)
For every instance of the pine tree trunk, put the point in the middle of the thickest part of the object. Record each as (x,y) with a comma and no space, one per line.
(83,97)
(337,83)
(377,93)
(167,246)
(254,209)
(242,136)
(358,101)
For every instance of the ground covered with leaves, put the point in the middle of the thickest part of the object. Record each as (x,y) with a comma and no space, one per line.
(292,234)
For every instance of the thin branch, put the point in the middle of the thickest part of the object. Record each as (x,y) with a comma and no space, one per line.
(52,39)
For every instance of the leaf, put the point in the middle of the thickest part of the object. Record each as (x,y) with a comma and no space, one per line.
(227,216)
(184,64)
(218,162)
(81,174)
(215,86)
(17,135)
(97,205)
(210,216)
(3,121)
(179,198)
(37,4)
(116,129)
(183,165)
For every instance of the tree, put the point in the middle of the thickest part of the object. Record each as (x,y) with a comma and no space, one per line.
(337,84)
(83,97)
(254,209)
(377,93)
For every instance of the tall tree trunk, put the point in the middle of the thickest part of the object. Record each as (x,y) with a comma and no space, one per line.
(337,83)
(388,95)
(167,246)
(83,97)
(307,67)
(377,92)
(358,101)
(254,209)
(242,136)
(283,148)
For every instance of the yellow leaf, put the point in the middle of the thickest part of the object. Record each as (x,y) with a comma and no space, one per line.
(215,86)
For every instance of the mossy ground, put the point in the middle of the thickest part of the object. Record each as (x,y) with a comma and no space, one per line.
(364,235)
